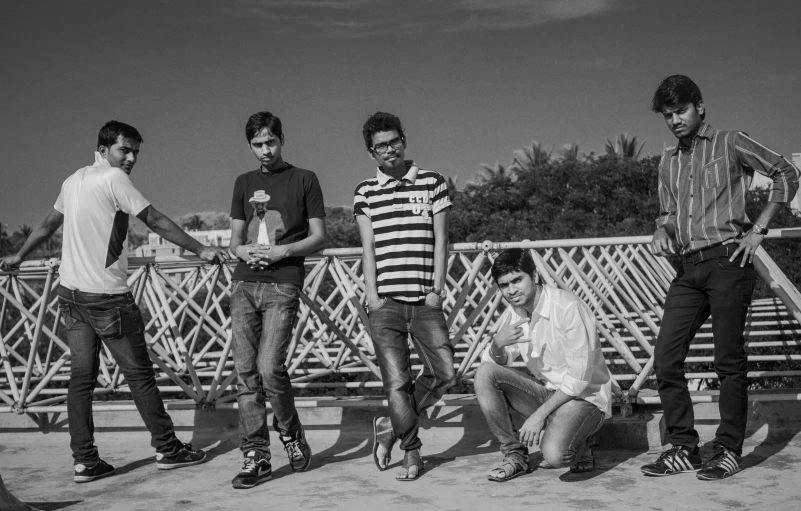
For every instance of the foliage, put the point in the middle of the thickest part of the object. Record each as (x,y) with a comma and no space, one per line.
(624,146)
(204,221)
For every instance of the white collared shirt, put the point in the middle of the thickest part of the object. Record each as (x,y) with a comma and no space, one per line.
(562,348)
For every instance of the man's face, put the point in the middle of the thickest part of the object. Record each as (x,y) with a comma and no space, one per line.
(388,149)
(122,154)
(260,207)
(518,288)
(683,119)
(266,147)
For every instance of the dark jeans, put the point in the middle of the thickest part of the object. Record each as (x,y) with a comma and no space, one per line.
(116,320)
(262,315)
(500,390)
(722,289)
(391,324)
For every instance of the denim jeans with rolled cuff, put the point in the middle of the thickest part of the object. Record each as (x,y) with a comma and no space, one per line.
(392,323)
(117,321)
(501,390)
(262,317)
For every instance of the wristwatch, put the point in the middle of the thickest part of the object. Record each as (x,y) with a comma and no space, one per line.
(759,229)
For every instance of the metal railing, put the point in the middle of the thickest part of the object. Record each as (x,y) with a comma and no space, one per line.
(188,327)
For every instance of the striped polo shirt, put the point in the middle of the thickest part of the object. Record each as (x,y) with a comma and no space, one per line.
(402,214)
(702,187)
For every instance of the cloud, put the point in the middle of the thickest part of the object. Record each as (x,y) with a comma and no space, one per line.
(363,18)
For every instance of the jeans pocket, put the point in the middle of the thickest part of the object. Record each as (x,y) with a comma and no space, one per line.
(66,315)
(107,323)
(287,290)
(235,286)
(381,303)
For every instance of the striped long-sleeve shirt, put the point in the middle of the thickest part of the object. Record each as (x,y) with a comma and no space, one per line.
(702,188)
(402,214)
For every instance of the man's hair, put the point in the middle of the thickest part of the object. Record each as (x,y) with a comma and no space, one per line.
(261,120)
(676,89)
(381,121)
(511,260)
(113,130)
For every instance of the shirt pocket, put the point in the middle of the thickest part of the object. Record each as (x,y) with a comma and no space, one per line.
(714,173)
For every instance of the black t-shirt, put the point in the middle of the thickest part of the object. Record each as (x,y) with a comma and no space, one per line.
(276,207)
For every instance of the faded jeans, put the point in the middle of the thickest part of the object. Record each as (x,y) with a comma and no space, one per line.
(500,390)
(262,315)
(391,325)
(116,320)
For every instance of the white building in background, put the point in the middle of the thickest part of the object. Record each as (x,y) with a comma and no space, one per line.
(796,204)
(158,246)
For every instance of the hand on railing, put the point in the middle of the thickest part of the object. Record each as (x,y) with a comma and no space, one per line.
(214,255)
(10,262)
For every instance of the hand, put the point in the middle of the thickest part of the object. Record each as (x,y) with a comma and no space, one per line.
(9,262)
(373,301)
(433,299)
(214,255)
(531,431)
(748,246)
(661,244)
(510,333)
(261,256)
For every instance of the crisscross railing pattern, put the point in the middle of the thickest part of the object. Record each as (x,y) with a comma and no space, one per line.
(188,326)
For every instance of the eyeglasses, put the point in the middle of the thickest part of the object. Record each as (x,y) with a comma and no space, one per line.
(383,147)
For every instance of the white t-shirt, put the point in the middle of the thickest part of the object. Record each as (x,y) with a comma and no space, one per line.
(96,202)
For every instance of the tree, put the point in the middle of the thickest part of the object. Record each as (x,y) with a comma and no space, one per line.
(193,223)
(624,146)
(529,157)
(569,152)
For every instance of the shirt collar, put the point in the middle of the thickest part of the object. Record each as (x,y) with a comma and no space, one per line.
(706,131)
(543,307)
(411,174)
(100,161)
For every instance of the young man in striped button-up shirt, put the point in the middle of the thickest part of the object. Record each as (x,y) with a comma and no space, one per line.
(702,187)
(402,214)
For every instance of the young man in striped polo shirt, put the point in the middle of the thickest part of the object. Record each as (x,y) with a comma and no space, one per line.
(402,214)
(702,186)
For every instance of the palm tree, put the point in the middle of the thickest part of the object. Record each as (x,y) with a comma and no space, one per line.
(624,146)
(451,184)
(530,157)
(569,152)
(193,223)
(495,174)
(5,241)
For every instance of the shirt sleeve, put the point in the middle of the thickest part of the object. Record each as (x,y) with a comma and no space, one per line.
(579,342)
(667,200)
(442,197)
(360,204)
(512,352)
(315,206)
(753,155)
(237,201)
(126,197)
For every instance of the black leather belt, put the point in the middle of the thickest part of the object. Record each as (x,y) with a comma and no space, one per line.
(711,253)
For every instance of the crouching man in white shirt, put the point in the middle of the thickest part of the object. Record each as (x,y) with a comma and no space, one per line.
(568,397)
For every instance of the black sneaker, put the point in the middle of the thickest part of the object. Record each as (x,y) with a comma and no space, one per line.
(183,458)
(84,473)
(298,451)
(723,463)
(673,461)
(255,470)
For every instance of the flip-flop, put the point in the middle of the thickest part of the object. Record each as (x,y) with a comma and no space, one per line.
(412,458)
(385,436)
(584,464)
(516,470)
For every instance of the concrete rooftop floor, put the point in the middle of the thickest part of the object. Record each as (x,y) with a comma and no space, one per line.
(37,468)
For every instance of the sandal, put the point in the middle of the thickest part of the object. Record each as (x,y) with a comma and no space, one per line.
(508,469)
(384,437)
(584,464)
(412,458)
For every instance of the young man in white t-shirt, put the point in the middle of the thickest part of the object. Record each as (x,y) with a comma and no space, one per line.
(94,206)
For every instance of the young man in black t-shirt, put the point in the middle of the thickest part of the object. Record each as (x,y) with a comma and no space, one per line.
(277,218)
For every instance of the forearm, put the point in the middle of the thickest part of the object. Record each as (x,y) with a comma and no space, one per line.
(770,210)
(41,232)
(167,229)
(307,246)
(440,249)
(556,400)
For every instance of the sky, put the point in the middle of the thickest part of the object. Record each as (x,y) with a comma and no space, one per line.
(471,80)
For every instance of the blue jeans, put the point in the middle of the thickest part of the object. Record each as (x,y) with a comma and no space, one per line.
(501,389)
(262,315)
(391,324)
(116,320)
